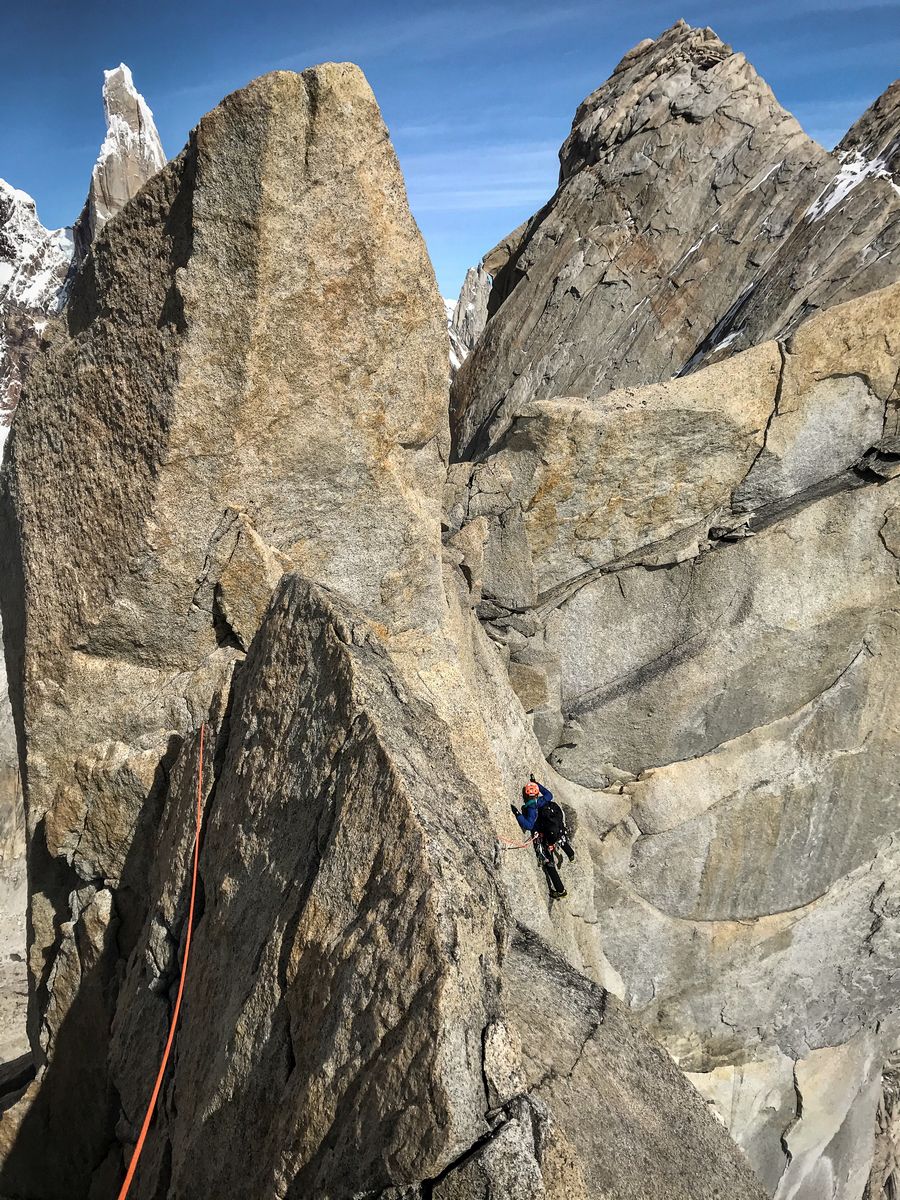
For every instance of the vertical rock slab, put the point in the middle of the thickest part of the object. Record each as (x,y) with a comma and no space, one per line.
(260,321)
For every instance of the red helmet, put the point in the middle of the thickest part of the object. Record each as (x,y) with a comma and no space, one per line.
(531,789)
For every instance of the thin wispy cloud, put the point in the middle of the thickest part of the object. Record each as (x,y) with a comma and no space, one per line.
(513,176)
(430,33)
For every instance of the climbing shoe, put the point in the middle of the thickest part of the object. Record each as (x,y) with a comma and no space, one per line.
(558,895)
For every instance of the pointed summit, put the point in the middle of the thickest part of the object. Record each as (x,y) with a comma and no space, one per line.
(130,155)
(679,177)
(685,72)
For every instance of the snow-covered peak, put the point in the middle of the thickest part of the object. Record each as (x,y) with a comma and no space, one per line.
(130,154)
(129,121)
(34,264)
(33,260)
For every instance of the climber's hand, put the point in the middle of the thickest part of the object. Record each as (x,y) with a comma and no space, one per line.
(532,778)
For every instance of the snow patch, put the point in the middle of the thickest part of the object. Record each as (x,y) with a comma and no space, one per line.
(854,170)
(727,341)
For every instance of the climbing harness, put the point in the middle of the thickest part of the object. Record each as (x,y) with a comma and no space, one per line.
(151,1107)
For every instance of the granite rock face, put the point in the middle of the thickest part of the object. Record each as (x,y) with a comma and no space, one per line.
(688,556)
(131,154)
(693,219)
(704,574)
(253,543)
(34,263)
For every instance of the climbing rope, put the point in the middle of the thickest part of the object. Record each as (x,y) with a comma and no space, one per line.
(151,1107)
(505,845)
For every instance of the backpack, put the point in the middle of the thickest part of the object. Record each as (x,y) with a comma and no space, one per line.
(551,823)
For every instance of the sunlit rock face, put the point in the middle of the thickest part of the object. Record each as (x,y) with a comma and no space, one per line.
(694,218)
(688,555)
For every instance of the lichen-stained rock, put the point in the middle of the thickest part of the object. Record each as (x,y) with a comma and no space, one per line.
(171,452)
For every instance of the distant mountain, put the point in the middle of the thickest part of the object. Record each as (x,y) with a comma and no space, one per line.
(34,262)
(130,155)
(466,318)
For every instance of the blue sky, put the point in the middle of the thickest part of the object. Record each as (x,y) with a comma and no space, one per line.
(478,97)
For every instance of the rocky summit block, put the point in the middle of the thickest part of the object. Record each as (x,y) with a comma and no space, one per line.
(693,219)
(222,508)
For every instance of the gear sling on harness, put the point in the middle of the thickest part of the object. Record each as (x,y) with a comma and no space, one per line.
(151,1107)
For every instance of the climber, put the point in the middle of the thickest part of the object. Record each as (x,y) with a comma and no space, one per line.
(542,816)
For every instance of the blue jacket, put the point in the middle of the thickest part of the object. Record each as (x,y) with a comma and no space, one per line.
(527,818)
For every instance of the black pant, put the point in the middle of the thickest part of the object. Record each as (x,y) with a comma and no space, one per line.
(545,858)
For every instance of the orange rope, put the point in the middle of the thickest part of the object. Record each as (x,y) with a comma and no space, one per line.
(516,845)
(132,1166)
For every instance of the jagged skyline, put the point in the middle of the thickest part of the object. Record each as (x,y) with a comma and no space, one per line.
(477,108)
